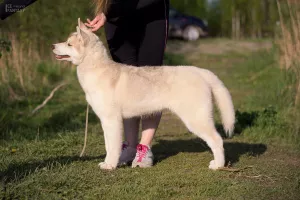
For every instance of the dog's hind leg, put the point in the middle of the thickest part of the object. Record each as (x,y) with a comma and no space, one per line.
(200,122)
(215,142)
(207,132)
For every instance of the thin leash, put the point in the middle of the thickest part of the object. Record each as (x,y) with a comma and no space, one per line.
(86,129)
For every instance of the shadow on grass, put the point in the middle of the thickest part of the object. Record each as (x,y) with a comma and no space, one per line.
(70,118)
(233,150)
(244,120)
(18,171)
(66,118)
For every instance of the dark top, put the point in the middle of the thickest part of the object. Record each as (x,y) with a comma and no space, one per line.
(118,8)
(121,8)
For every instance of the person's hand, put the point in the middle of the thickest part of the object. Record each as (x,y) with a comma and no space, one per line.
(96,23)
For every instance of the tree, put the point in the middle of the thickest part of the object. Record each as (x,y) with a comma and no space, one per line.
(244,18)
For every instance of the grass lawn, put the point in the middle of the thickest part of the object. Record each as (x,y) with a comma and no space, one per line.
(39,155)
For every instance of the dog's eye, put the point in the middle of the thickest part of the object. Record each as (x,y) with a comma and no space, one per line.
(69,45)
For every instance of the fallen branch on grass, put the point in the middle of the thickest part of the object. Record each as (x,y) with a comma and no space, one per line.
(47,99)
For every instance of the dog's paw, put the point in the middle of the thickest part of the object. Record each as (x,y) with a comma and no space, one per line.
(105,166)
(213,165)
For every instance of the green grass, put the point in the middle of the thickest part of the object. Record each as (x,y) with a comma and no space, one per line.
(46,163)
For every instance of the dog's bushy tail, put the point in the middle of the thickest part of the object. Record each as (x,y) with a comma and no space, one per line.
(223,99)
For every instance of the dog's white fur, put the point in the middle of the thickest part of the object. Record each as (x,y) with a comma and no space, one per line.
(116,91)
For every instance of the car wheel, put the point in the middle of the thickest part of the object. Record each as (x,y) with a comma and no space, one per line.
(191,33)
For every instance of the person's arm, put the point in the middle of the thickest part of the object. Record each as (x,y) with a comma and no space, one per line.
(9,7)
(120,8)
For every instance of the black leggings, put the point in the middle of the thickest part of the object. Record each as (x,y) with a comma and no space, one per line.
(140,39)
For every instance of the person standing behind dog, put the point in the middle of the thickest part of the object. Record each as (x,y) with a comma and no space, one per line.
(136,33)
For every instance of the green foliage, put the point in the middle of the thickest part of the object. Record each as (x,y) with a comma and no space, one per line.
(214,18)
(4,46)
(257,18)
(196,8)
(47,22)
(171,59)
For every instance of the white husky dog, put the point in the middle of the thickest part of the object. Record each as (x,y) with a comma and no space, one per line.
(116,91)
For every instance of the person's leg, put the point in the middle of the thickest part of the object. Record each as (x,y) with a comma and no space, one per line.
(151,53)
(131,131)
(123,45)
(149,126)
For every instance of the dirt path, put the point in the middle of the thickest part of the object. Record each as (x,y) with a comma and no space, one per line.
(217,47)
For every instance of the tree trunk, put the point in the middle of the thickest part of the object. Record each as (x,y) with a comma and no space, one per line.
(233,27)
(253,27)
(238,25)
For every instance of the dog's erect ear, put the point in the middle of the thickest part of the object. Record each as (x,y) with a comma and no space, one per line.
(82,26)
(81,33)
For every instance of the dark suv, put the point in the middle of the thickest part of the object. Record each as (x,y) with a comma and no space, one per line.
(185,26)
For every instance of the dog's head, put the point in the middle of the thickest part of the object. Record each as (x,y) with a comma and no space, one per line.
(74,49)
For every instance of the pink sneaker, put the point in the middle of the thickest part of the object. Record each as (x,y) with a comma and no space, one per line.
(144,156)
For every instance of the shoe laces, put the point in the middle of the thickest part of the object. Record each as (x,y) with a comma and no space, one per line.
(142,151)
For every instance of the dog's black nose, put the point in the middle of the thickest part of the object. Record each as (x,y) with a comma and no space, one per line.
(53,46)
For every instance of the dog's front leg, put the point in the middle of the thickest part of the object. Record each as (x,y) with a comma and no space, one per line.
(113,128)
